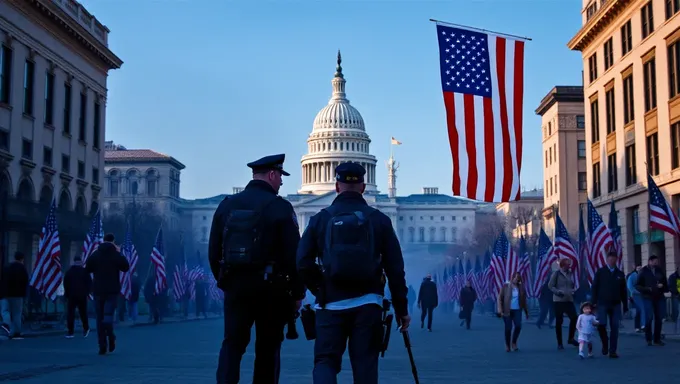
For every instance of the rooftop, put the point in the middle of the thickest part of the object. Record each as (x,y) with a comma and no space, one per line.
(119,154)
(560,94)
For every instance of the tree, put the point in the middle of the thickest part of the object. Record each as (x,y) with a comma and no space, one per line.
(524,216)
(144,222)
(488,226)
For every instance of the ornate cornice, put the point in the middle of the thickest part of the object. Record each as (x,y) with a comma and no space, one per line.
(607,13)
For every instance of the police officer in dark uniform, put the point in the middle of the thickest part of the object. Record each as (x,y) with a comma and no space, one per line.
(354,244)
(253,240)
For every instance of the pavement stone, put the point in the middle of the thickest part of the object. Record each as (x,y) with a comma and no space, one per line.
(185,352)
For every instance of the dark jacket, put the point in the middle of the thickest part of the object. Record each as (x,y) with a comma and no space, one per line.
(14,281)
(135,287)
(647,283)
(609,288)
(411,295)
(673,286)
(467,298)
(546,297)
(427,294)
(280,236)
(105,264)
(387,246)
(77,283)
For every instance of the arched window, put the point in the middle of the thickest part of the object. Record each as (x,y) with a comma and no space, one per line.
(64,200)
(433,233)
(443,234)
(80,205)
(454,235)
(411,235)
(151,182)
(46,195)
(421,234)
(25,192)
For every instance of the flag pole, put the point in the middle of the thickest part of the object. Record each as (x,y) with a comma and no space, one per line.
(481,30)
(148,272)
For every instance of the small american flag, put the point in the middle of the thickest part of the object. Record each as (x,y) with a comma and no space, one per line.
(616,235)
(565,249)
(94,236)
(178,285)
(450,282)
(524,262)
(501,253)
(546,258)
(477,282)
(662,216)
(482,79)
(470,273)
(128,250)
(215,293)
(193,276)
(47,275)
(599,237)
(158,260)
(584,250)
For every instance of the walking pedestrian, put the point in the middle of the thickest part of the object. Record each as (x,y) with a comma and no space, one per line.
(562,286)
(428,300)
(609,295)
(77,287)
(631,281)
(652,285)
(512,301)
(13,290)
(106,263)
(467,299)
(585,325)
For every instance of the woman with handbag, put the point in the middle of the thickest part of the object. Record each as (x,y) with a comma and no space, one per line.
(512,301)
(467,299)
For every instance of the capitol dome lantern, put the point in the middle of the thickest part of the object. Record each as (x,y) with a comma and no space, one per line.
(338,136)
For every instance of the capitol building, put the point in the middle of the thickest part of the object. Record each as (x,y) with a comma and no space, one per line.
(338,135)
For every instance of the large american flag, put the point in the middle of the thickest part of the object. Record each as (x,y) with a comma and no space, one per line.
(95,236)
(599,238)
(501,253)
(130,253)
(47,275)
(193,276)
(565,250)
(483,84)
(450,282)
(584,250)
(662,216)
(158,260)
(546,258)
(616,235)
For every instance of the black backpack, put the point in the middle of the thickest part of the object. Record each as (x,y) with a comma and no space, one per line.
(242,245)
(349,258)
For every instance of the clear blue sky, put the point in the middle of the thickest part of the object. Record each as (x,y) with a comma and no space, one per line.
(217,84)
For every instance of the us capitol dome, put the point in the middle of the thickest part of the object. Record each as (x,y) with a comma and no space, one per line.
(338,136)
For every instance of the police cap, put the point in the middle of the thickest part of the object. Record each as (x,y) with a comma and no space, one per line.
(269,163)
(350,173)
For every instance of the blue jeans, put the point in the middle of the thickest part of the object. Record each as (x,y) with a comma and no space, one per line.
(640,308)
(515,318)
(613,314)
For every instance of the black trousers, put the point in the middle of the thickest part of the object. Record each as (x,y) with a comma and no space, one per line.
(654,313)
(466,314)
(269,315)
(426,312)
(363,327)
(564,308)
(71,306)
(105,306)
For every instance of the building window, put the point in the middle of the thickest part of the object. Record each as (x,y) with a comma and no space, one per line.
(592,67)
(582,181)
(67,108)
(443,234)
(546,159)
(550,155)
(556,190)
(674,69)
(4,140)
(549,128)
(612,171)
(596,180)
(151,188)
(591,10)
(631,166)
(595,121)
(454,235)
(608,53)
(647,15)
(551,186)
(675,145)
(113,187)
(580,121)
(66,164)
(653,154)
(628,100)
(610,110)
(47,156)
(5,73)
(81,169)
(672,7)
(29,81)
(433,233)
(411,235)
(421,234)
(82,122)
(626,38)
(27,149)
(555,152)
(581,148)
(649,71)
(547,188)
(49,98)
(97,125)
(95,176)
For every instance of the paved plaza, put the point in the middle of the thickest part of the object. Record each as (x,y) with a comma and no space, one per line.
(186,353)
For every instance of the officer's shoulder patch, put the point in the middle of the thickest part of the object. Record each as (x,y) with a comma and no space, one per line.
(295,220)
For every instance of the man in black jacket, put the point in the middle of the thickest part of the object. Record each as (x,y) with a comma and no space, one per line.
(252,246)
(609,294)
(356,245)
(13,289)
(105,264)
(77,285)
(652,284)
(428,300)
